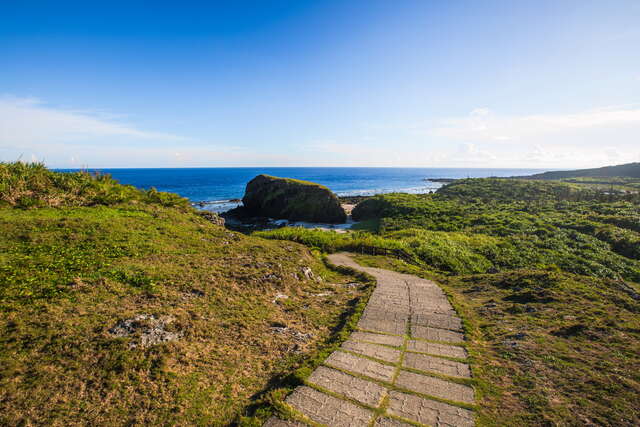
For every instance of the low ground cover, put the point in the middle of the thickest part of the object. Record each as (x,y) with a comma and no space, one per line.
(118,313)
(545,275)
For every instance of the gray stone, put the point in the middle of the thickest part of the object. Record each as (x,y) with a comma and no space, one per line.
(147,329)
(390,422)
(436,387)
(434,334)
(366,392)
(427,363)
(373,350)
(360,365)
(329,410)
(387,313)
(397,299)
(385,326)
(308,273)
(429,305)
(212,216)
(427,411)
(437,349)
(377,338)
(437,320)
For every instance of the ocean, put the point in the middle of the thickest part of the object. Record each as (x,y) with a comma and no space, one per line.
(217,187)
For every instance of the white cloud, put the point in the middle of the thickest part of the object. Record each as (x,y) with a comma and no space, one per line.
(484,125)
(26,121)
(32,130)
(470,152)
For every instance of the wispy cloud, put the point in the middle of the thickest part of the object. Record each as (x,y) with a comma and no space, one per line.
(25,121)
(33,130)
(483,125)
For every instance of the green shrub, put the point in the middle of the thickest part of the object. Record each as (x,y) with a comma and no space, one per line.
(32,185)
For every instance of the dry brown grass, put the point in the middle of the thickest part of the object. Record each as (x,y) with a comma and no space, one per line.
(70,274)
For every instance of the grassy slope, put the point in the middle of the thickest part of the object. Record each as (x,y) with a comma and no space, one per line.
(544,275)
(631,170)
(68,274)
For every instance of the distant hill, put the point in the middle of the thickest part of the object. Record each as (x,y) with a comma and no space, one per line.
(629,170)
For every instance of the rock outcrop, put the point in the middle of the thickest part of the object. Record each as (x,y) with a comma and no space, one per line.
(213,217)
(291,199)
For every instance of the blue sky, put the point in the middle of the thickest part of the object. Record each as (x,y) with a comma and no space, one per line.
(547,84)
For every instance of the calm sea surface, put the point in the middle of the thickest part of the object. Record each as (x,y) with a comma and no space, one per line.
(219,185)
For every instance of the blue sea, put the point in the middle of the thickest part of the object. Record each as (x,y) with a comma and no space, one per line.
(217,187)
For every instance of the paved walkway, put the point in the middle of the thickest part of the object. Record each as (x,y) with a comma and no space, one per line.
(403,366)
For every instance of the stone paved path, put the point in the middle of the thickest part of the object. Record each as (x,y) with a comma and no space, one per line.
(404,366)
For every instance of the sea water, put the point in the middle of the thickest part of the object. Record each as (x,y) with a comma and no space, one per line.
(218,188)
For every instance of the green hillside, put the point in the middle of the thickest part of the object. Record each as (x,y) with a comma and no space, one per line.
(546,276)
(629,170)
(123,307)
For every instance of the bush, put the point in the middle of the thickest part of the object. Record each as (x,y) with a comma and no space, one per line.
(32,185)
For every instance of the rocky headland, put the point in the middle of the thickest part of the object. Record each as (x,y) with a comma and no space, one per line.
(290,199)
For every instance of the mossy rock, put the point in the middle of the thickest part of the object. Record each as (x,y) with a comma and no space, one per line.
(292,199)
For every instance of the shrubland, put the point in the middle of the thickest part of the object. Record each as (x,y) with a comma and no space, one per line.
(545,274)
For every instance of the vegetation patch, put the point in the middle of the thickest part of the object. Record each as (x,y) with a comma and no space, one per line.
(32,185)
(141,313)
(545,276)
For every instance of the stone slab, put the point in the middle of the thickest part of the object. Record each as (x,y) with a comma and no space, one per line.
(390,422)
(437,320)
(328,410)
(427,411)
(360,365)
(427,363)
(366,392)
(387,313)
(373,350)
(435,387)
(428,305)
(437,349)
(380,325)
(377,338)
(435,334)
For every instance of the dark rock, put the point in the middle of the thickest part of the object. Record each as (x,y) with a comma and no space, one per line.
(284,198)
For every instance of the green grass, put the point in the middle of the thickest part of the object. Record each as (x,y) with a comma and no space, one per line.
(69,273)
(607,184)
(545,276)
(296,181)
(32,185)
(552,348)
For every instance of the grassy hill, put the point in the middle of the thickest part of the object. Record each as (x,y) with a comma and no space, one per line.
(629,170)
(121,307)
(546,275)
